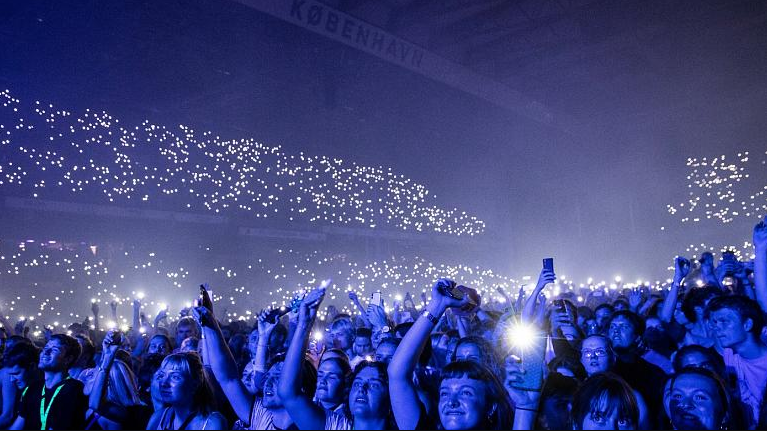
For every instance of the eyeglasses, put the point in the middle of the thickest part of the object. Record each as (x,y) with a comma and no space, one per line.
(597,353)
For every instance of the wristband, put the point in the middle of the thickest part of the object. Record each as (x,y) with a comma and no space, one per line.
(432,318)
(525,409)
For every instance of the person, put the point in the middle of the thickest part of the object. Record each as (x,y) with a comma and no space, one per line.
(85,361)
(341,334)
(265,412)
(114,401)
(737,324)
(187,394)
(477,349)
(190,344)
(363,346)
(697,399)
(625,331)
(597,357)
(695,356)
(602,313)
(332,377)
(186,327)
(385,350)
(604,402)
(56,402)
(368,399)
(20,368)
(470,395)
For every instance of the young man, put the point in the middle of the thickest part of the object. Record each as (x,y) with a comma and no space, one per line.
(737,324)
(58,401)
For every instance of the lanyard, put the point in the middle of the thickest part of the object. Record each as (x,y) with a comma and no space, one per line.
(43,410)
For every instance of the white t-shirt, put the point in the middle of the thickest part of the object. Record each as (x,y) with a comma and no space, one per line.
(752,377)
(337,421)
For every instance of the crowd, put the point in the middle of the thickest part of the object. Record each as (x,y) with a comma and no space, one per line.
(691,357)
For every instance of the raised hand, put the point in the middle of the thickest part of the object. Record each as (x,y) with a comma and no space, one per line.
(265,327)
(353,297)
(203,316)
(109,346)
(136,305)
(206,300)
(681,269)
(547,276)
(439,293)
(635,300)
(307,312)
(95,308)
(376,316)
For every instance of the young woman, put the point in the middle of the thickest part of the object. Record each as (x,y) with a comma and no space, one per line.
(114,401)
(470,396)
(604,402)
(188,395)
(368,402)
(266,412)
(696,398)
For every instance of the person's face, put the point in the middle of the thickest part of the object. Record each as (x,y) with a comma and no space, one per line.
(362,346)
(463,404)
(621,333)
(184,331)
(18,376)
(693,403)
(176,387)
(603,316)
(696,360)
(253,343)
(330,382)
(468,352)
(341,338)
(53,357)
(157,346)
(369,396)
(385,352)
(271,399)
(728,327)
(605,421)
(249,378)
(595,355)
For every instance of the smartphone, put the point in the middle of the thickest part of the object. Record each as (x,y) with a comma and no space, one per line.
(376,298)
(548,264)
(117,338)
(450,289)
(559,304)
(728,256)
(531,361)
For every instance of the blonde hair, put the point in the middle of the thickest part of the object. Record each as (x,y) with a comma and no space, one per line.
(190,364)
(122,388)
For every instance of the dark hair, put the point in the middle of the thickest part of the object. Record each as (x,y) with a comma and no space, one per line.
(363,332)
(608,389)
(634,319)
(401,329)
(338,352)
(712,355)
(570,362)
(585,312)
(383,374)
(494,390)
(308,373)
(165,339)
(721,388)
(697,298)
(191,364)
(71,346)
(88,350)
(489,357)
(601,306)
(22,354)
(745,307)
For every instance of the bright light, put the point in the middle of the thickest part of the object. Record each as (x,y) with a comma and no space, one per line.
(700,283)
(124,328)
(111,325)
(618,279)
(142,330)
(521,336)
(140,295)
(162,306)
(318,335)
(398,297)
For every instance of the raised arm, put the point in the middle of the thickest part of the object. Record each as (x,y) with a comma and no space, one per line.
(760,263)
(681,269)
(223,364)
(406,408)
(299,405)
(546,277)
(356,301)
(101,380)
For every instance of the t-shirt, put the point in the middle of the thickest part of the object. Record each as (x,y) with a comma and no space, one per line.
(751,376)
(261,418)
(66,412)
(337,421)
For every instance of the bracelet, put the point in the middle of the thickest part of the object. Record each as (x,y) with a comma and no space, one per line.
(432,318)
(525,409)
